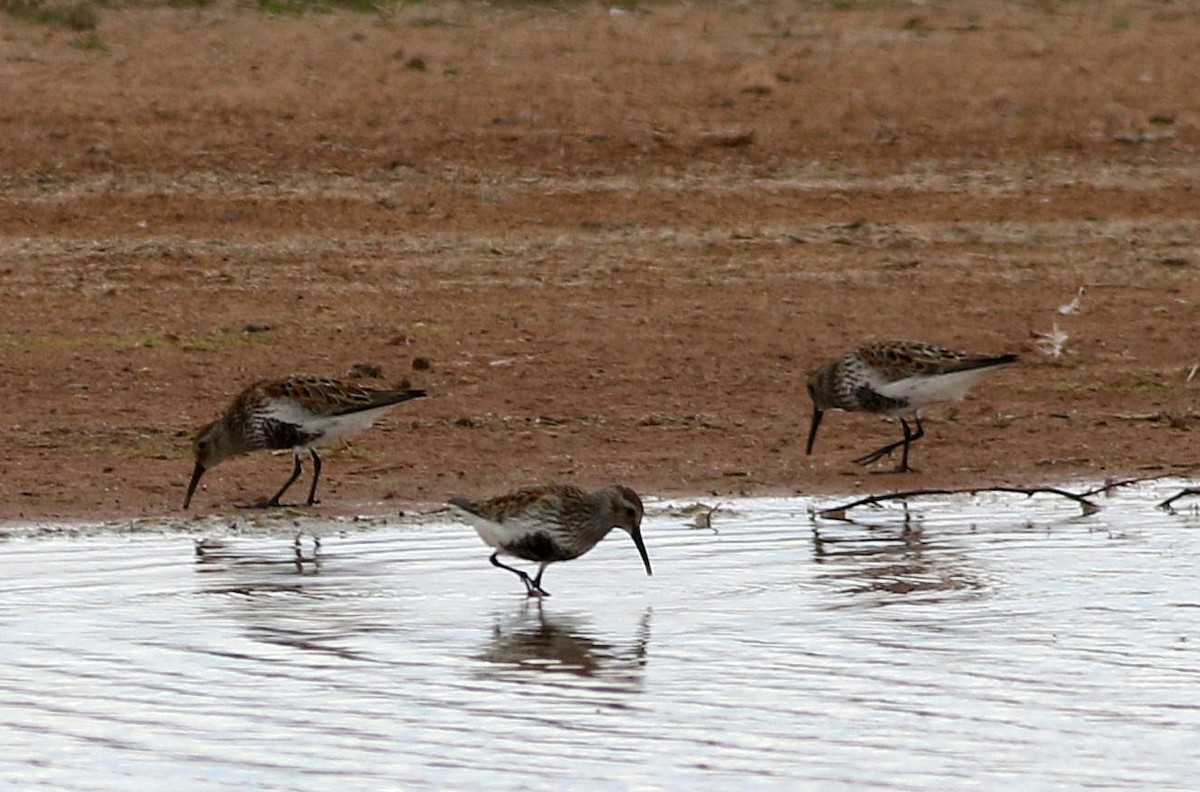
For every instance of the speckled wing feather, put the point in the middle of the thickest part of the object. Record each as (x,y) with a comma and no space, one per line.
(899,359)
(525,523)
(972,362)
(521,504)
(328,397)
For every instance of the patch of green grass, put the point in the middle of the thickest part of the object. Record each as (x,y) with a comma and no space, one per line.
(1137,385)
(206,342)
(540,3)
(299,7)
(83,15)
(1126,385)
(78,15)
(870,5)
(89,41)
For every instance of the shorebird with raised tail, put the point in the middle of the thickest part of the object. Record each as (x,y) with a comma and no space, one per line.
(556,522)
(898,378)
(299,413)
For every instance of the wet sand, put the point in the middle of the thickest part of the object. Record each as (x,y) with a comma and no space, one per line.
(610,245)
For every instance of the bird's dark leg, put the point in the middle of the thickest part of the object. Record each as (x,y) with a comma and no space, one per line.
(495,559)
(312,491)
(812,430)
(909,437)
(880,453)
(274,501)
(532,589)
(537,584)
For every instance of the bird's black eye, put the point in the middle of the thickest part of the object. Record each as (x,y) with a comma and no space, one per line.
(630,512)
(202,445)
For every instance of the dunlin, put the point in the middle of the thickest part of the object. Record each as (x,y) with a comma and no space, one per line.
(897,378)
(552,523)
(297,413)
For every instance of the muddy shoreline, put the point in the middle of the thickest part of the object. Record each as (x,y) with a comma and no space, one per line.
(614,244)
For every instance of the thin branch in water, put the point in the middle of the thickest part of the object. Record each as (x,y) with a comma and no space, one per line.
(1111,484)
(1184,493)
(839,512)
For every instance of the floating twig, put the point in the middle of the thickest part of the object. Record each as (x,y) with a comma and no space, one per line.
(1183,493)
(1111,484)
(839,512)
(1176,420)
(701,514)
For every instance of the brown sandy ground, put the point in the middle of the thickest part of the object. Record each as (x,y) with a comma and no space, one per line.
(619,238)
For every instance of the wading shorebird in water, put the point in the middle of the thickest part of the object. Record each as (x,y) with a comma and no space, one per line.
(897,378)
(299,413)
(556,522)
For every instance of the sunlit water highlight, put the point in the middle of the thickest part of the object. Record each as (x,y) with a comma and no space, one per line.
(992,643)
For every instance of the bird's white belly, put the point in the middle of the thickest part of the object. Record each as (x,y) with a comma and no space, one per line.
(496,534)
(920,391)
(329,428)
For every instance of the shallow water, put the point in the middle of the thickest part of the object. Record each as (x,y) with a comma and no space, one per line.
(997,642)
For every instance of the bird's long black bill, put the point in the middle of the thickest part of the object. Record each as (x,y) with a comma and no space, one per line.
(812,430)
(641,546)
(196,474)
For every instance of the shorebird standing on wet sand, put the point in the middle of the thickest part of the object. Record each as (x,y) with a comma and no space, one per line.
(556,522)
(298,413)
(897,378)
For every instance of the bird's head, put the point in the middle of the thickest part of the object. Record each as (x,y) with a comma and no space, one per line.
(821,390)
(626,508)
(821,387)
(212,446)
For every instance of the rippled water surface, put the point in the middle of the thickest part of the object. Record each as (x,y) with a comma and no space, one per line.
(997,642)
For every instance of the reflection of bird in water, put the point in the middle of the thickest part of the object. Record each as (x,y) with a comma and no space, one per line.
(216,553)
(281,602)
(902,564)
(535,641)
